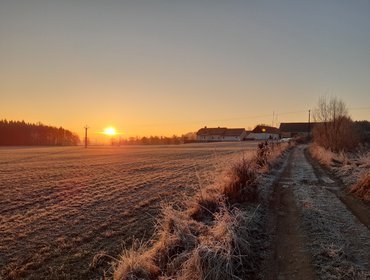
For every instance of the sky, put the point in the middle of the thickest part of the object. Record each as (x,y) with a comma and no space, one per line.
(171,67)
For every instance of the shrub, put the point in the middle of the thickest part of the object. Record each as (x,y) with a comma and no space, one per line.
(334,129)
(339,135)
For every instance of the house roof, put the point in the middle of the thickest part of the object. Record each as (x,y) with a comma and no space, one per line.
(234,131)
(265,129)
(296,127)
(220,131)
(211,131)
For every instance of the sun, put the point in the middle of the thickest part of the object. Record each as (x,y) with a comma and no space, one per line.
(110,131)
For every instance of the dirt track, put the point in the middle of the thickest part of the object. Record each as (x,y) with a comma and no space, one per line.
(317,233)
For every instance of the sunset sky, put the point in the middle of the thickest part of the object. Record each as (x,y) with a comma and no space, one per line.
(170,67)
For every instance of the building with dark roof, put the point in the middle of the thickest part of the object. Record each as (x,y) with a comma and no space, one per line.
(220,134)
(296,129)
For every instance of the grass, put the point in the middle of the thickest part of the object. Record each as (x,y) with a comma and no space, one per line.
(351,167)
(324,156)
(362,188)
(209,235)
(241,182)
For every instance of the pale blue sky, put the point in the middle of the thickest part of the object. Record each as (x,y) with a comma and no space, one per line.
(165,67)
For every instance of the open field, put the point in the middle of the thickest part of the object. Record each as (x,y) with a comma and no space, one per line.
(59,207)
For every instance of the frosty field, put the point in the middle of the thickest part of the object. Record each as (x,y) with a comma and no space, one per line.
(60,207)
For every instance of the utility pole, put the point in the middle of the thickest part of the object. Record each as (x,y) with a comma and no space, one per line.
(86,128)
(309,122)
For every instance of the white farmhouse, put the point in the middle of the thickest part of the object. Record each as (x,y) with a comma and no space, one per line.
(221,134)
(264,132)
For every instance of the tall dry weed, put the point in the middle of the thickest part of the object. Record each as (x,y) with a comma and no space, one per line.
(324,156)
(241,182)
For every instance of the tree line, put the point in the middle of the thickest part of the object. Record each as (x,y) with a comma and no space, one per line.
(156,140)
(20,133)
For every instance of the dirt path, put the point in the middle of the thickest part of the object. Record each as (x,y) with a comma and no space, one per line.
(316,235)
(291,259)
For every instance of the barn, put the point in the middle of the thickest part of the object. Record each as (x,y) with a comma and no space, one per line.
(295,129)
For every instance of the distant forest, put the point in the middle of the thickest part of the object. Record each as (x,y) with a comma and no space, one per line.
(156,140)
(20,133)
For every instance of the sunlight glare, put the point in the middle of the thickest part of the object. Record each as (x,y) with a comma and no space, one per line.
(110,131)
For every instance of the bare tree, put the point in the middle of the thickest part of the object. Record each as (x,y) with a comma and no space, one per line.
(334,129)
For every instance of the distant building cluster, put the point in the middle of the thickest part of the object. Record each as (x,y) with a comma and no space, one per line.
(260,132)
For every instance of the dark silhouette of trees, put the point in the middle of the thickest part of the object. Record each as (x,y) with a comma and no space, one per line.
(20,133)
(153,140)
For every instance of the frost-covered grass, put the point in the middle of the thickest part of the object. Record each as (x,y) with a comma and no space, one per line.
(352,167)
(60,207)
(213,235)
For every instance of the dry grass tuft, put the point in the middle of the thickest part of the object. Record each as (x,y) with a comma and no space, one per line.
(136,263)
(205,204)
(362,188)
(324,156)
(221,253)
(178,235)
(241,182)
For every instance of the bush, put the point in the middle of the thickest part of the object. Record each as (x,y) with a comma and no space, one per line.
(334,129)
(337,136)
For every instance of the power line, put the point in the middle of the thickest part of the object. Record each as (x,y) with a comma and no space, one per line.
(220,120)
